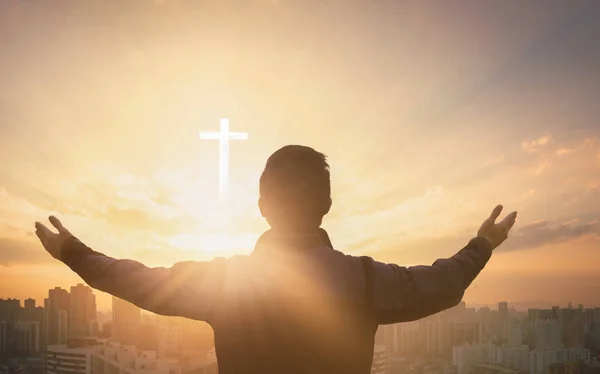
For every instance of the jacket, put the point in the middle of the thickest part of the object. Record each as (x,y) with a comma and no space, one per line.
(294,305)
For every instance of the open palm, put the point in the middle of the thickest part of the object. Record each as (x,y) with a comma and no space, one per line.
(496,233)
(52,242)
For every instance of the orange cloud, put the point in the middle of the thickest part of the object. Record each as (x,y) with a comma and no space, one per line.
(563,151)
(534,146)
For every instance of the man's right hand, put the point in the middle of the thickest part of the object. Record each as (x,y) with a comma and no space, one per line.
(51,241)
(496,233)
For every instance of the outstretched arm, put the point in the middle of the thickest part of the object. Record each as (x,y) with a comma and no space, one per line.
(404,294)
(185,290)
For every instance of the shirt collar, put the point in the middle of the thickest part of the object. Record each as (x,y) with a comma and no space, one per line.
(270,239)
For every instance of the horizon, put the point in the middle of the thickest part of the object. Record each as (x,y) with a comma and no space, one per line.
(430,115)
(541,304)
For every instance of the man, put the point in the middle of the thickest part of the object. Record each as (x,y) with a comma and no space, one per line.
(295,305)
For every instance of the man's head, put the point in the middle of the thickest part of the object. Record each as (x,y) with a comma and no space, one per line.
(295,189)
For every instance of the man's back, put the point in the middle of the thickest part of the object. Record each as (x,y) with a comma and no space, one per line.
(294,306)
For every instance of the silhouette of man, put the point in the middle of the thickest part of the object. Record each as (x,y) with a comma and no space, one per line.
(295,304)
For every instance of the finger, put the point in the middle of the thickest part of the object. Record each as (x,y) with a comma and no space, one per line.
(496,213)
(512,222)
(56,223)
(510,226)
(508,221)
(44,231)
(41,236)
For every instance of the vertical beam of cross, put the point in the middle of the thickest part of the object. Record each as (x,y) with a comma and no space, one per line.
(223,136)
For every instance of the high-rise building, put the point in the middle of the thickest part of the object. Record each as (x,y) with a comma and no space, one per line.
(513,333)
(29,307)
(148,337)
(125,322)
(503,310)
(56,307)
(9,310)
(466,356)
(575,334)
(541,359)
(82,312)
(547,334)
(408,339)
(7,338)
(466,332)
(380,360)
(28,337)
(515,357)
(183,338)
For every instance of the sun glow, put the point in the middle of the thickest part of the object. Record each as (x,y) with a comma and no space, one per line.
(221,244)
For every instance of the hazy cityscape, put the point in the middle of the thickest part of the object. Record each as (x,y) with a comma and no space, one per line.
(68,335)
(116,117)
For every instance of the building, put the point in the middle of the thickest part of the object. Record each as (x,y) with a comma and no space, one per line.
(466,356)
(125,322)
(547,334)
(515,357)
(148,337)
(9,310)
(438,338)
(540,360)
(56,307)
(183,338)
(503,311)
(380,360)
(73,358)
(115,358)
(575,333)
(89,355)
(28,337)
(7,338)
(513,334)
(492,369)
(82,312)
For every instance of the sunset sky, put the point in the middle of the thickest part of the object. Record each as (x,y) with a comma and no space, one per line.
(431,113)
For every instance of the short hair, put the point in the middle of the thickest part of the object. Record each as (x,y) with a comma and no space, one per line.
(296,184)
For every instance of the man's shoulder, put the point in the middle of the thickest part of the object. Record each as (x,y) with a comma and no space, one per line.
(348,266)
(346,258)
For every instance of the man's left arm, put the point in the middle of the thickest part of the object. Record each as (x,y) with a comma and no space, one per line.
(187,289)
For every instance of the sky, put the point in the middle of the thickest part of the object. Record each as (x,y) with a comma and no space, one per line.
(430,113)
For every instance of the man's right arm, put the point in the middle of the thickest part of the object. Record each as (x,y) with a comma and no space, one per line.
(187,289)
(404,294)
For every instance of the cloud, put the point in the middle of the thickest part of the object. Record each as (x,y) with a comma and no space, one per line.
(536,145)
(134,219)
(563,151)
(537,234)
(433,211)
(424,250)
(541,167)
(494,161)
(14,251)
(530,193)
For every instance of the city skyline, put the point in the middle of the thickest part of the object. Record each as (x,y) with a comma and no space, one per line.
(430,115)
(516,306)
(459,340)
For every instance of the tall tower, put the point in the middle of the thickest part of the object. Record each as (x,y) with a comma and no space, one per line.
(82,312)
(56,307)
(125,321)
(503,311)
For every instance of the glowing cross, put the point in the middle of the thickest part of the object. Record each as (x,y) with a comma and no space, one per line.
(224,136)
